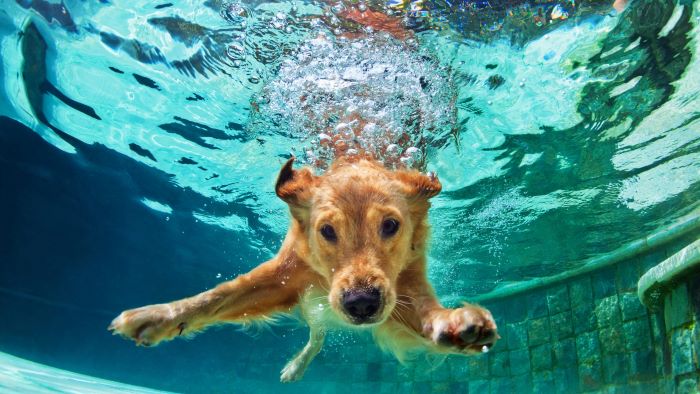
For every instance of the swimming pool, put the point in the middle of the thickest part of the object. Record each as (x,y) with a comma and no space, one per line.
(140,142)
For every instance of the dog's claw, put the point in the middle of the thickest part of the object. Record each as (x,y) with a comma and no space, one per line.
(181,326)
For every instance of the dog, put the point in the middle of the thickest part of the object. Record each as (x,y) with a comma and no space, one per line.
(354,255)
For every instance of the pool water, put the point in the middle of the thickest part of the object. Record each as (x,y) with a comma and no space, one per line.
(140,141)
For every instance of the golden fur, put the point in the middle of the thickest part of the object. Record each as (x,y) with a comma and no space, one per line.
(355,197)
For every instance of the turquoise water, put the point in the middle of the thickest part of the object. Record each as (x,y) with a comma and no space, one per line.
(18,375)
(140,142)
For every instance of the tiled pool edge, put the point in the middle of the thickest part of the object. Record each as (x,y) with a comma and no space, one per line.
(673,286)
(587,331)
(666,234)
(664,277)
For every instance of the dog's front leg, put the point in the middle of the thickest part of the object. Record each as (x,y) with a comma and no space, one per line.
(296,367)
(461,330)
(274,286)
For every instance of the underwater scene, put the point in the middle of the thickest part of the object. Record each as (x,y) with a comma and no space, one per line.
(145,154)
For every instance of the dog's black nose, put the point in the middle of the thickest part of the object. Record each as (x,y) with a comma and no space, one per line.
(362,304)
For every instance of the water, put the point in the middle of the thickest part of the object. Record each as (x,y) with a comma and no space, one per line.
(140,142)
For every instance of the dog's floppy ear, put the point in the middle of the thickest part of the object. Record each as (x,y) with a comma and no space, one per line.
(418,185)
(295,187)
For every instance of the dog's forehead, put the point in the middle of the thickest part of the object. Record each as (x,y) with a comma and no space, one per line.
(356,188)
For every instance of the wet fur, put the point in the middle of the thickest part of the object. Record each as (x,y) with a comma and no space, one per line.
(354,196)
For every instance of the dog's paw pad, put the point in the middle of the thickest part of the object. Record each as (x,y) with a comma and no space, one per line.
(469,328)
(147,326)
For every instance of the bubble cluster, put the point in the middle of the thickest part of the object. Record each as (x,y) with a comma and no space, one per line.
(373,96)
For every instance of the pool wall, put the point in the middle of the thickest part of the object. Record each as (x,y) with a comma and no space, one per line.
(585,332)
(591,332)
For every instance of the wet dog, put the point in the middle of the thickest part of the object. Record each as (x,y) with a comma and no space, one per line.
(354,255)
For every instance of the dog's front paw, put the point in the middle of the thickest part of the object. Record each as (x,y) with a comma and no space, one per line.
(468,329)
(293,371)
(148,325)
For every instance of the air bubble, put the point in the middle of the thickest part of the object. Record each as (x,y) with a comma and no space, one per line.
(393,150)
(413,152)
(358,95)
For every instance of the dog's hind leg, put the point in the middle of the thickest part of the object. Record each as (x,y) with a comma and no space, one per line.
(274,286)
(296,367)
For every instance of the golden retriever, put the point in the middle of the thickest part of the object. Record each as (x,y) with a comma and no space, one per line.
(355,255)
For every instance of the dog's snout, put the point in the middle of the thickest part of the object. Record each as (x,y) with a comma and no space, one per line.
(362,304)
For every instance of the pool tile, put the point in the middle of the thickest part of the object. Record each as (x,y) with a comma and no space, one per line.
(541,357)
(607,311)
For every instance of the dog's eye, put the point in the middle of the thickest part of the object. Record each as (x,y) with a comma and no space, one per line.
(389,227)
(328,233)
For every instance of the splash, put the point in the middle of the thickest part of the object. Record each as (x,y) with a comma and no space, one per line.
(374,96)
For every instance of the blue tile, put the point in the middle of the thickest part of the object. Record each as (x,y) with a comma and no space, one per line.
(631,306)
(565,353)
(604,283)
(628,274)
(566,380)
(590,376)
(522,383)
(607,311)
(516,335)
(637,334)
(479,365)
(543,382)
(581,292)
(499,364)
(561,325)
(536,304)
(614,369)
(588,347)
(541,357)
(558,299)
(538,331)
(519,362)
(479,386)
(612,340)
(642,364)
(584,318)
(682,351)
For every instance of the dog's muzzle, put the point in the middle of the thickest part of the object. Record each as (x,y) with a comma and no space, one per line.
(362,305)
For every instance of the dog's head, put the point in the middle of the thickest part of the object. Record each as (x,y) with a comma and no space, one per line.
(361,226)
